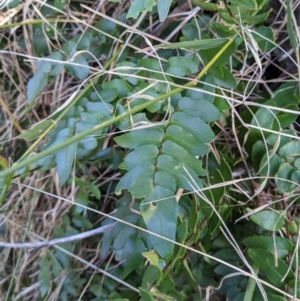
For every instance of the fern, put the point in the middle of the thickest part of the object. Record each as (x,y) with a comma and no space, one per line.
(158,161)
(283,152)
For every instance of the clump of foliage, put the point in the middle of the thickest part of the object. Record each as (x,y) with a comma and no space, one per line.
(203,165)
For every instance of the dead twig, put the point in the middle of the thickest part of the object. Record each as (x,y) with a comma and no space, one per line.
(41,244)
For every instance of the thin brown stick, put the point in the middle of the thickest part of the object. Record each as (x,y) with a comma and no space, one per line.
(41,244)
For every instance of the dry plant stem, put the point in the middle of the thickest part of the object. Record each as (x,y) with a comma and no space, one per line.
(10,115)
(42,244)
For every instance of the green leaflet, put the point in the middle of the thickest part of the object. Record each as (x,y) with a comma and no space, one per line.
(194,125)
(138,6)
(223,77)
(81,70)
(178,153)
(44,276)
(186,140)
(137,138)
(199,108)
(163,7)
(265,261)
(269,220)
(64,157)
(145,169)
(181,66)
(140,154)
(160,211)
(283,245)
(36,84)
(175,168)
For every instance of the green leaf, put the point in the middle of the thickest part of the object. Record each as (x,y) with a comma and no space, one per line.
(145,169)
(127,122)
(269,220)
(108,26)
(207,6)
(134,248)
(121,85)
(290,28)
(266,262)
(83,126)
(186,140)
(69,49)
(295,285)
(194,125)
(36,84)
(222,29)
(283,178)
(56,66)
(88,143)
(141,154)
(262,35)
(137,138)
(223,77)
(199,108)
(163,7)
(82,198)
(82,222)
(105,109)
(256,19)
(81,71)
(272,164)
(107,95)
(44,276)
(160,210)
(290,150)
(210,87)
(47,162)
(138,6)
(37,130)
(264,119)
(166,180)
(175,168)
(94,190)
(64,158)
(181,66)
(218,192)
(178,153)
(227,255)
(283,245)
(130,69)
(151,275)
(141,187)
(145,295)
(60,4)
(153,258)
(122,237)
